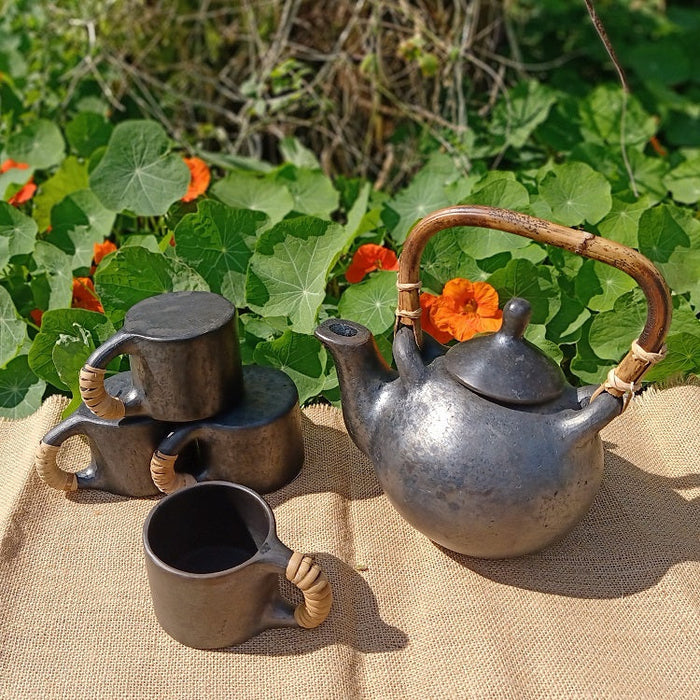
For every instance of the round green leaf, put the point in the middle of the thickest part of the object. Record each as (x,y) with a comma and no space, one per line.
(52,281)
(301,357)
(250,191)
(622,223)
(70,177)
(86,329)
(521,278)
(576,193)
(371,302)
(218,242)
(40,144)
(613,331)
(682,358)
(137,173)
(134,273)
(88,131)
(684,181)
(312,191)
(77,223)
(21,390)
(17,233)
(599,286)
(13,330)
(288,270)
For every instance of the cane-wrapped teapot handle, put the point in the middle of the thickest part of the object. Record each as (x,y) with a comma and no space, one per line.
(646,350)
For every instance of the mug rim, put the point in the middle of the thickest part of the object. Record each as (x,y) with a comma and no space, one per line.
(261,550)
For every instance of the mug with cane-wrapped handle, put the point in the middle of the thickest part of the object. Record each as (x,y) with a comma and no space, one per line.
(184,357)
(213,560)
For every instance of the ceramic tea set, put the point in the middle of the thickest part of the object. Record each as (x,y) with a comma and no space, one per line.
(483,446)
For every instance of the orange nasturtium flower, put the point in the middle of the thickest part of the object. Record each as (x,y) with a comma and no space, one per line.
(36,315)
(9,164)
(199,178)
(100,250)
(24,194)
(84,296)
(368,258)
(462,310)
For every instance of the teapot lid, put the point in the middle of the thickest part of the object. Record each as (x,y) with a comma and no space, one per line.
(504,366)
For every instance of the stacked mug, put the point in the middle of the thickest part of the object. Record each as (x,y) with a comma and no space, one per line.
(234,432)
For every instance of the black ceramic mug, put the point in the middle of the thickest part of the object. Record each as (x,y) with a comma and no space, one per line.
(258,442)
(213,561)
(120,450)
(184,357)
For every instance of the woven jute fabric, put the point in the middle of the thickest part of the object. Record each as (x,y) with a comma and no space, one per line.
(611,611)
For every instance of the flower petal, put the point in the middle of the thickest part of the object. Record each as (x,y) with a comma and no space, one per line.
(200,176)
(369,257)
(486,298)
(84,296)
(430,304)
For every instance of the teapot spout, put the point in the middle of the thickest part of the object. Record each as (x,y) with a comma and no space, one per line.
(363,374)
(584,423)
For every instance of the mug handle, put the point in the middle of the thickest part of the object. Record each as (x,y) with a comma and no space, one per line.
(308,577)
(92,378)
(45,459)
(163,473)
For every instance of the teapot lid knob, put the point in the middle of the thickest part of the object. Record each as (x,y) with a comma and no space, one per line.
(504,365)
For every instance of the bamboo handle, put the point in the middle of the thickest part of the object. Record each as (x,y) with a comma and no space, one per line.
(164,475)
(650,341)
(304,573)
(49,471)
(95,396)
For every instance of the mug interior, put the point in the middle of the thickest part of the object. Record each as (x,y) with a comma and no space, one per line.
(208,528)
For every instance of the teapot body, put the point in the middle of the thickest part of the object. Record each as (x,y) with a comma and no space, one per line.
(477,477)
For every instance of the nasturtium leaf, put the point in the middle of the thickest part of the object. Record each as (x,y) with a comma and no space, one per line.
(670,238)
(599,285)
(17,233)
(297,154)
(371,302)
(622,223)
(300,356)
(684,181)
(70,177)
(288,270)
(521,278)
(13,178)
(40,144)
(312,191)
(664,61)
(21,390)
(480,243)
(77,323)
(134,273)
(77,223)
(586,365)
(566,325)
(69,354)
(137,173)
(424,195)
(88,131)
(649,173)
(601,112)
(612,332)
(682,357)
(559,130)
(443,260)
(356,214)
(246,190)
(576,193)
(519,113)
(52,281)
(536,334)
(147,241)
(13,330)
(218,242)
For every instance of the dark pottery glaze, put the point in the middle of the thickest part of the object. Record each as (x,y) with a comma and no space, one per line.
(484,447)
(120,451)
(258,442)
(184,356)
(213,561)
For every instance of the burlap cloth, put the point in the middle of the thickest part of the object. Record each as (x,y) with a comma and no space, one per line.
(613,610)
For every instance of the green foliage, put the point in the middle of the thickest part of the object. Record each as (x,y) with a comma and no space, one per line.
(277,239)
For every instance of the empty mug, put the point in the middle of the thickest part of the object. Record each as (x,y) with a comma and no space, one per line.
(258,442)
(120,451)
(213,561)
(184,357)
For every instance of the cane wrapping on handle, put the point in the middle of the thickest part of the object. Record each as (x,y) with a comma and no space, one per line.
(49,471)
(95,396)
(164,475)
(646,350)
(312,582)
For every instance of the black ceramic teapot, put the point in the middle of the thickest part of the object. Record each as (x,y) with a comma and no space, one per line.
(484,447)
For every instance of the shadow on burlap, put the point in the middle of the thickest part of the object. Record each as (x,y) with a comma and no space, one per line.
(613,610)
